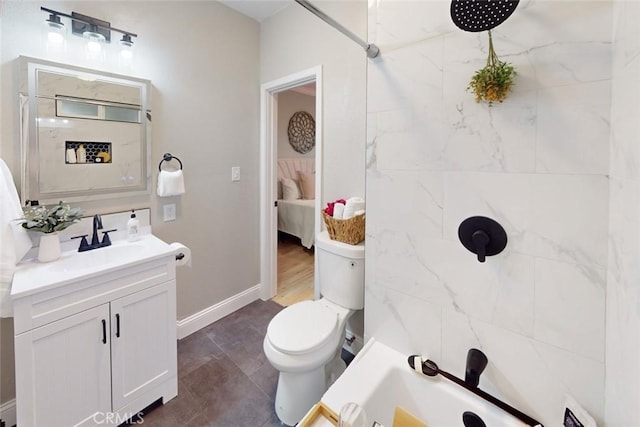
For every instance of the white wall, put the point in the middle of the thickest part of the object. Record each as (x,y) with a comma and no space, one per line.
(290,102)
(537,163)
(202,59)
(294,40)
(623,279)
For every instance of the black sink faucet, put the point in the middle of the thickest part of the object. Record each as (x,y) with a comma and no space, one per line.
(95,240)
(97,225)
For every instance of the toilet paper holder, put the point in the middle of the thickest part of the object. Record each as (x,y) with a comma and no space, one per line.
(182,254)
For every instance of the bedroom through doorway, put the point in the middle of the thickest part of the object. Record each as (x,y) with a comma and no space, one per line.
(296,167)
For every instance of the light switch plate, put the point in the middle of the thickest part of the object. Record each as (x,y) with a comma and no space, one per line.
(235,173)
(170,212)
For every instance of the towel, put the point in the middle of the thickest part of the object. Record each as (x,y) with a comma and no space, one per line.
(15,241)
(338,210)
(170,183)
(353,205)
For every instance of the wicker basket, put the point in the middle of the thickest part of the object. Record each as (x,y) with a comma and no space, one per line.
(349,231)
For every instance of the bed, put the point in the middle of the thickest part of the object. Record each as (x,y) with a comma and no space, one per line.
(296,217)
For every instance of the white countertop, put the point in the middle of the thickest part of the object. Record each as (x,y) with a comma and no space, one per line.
(32,276)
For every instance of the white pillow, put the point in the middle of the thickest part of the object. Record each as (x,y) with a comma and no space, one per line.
(290,189)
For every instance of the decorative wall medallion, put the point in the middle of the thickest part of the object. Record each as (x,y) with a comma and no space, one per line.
(302,132)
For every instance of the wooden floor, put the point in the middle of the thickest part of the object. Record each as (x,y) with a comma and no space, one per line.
(295,271)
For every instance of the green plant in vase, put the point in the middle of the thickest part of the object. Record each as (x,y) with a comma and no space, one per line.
(493,82)
(50,219)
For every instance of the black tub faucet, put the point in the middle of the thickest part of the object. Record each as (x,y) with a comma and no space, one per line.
(476,362)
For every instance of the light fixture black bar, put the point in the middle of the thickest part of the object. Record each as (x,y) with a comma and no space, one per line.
(75,18)
(371,49)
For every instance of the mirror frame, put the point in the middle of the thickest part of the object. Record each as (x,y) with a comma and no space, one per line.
(29,155)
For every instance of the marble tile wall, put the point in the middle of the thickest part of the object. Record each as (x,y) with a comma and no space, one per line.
(623,278)
(537,163)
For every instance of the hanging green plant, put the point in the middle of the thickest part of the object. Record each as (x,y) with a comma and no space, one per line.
(493,82)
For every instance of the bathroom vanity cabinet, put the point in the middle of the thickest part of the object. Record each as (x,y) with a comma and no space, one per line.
(98,348)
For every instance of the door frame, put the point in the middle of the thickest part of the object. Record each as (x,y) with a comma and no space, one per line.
(268,174)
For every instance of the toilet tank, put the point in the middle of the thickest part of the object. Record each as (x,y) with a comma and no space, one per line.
(341,271)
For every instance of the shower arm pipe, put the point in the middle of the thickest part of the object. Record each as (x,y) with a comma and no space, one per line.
(372,50)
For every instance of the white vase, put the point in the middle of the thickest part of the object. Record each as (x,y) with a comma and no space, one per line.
(49,249)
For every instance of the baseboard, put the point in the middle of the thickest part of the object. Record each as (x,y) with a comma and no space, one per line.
(8,413)
(203,318)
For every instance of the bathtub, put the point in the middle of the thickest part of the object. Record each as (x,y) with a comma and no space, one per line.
(379,379)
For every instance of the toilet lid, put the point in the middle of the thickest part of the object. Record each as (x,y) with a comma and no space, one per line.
(302,327)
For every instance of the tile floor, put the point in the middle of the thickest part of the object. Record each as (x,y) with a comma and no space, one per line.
(224,378)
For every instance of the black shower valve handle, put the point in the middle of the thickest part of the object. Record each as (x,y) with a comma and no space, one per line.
(483,236)
(480,240)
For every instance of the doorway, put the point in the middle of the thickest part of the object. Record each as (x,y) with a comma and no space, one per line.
(269,176)
(296,194)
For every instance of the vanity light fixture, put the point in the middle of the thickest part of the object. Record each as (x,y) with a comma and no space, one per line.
(96,32)
(126,47)
(94,43)
(55,30)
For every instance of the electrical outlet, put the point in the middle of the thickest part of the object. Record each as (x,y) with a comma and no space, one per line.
(235,173)
(170,212)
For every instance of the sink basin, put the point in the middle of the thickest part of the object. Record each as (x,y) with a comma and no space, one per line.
(96,258)
(32,276)
(379,379)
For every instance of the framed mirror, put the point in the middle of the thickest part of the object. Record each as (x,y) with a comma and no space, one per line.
(85,134)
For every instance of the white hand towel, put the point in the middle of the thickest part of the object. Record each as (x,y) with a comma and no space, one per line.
(357,203)
(338,209)
(170,183)
(15,240)
(353,205)
(348,213)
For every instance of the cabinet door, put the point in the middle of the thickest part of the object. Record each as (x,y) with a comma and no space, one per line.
(143,342)
(64,371)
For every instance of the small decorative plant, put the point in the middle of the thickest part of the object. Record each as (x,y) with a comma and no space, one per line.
(493,82)
(50,219)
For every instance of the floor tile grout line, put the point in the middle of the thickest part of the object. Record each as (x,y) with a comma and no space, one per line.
(260,388)
(232,359)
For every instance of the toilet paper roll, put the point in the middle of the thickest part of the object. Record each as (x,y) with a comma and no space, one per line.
(183,254)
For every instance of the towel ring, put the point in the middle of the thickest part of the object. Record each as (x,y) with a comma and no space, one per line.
(167,157)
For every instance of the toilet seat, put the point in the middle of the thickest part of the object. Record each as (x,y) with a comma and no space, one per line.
(302,328)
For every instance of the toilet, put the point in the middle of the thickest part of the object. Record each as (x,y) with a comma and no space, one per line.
(304,341)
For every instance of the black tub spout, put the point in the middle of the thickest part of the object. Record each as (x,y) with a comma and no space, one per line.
(476,362)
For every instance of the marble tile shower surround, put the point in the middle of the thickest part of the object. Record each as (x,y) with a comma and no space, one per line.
(623,281)
(537,163)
